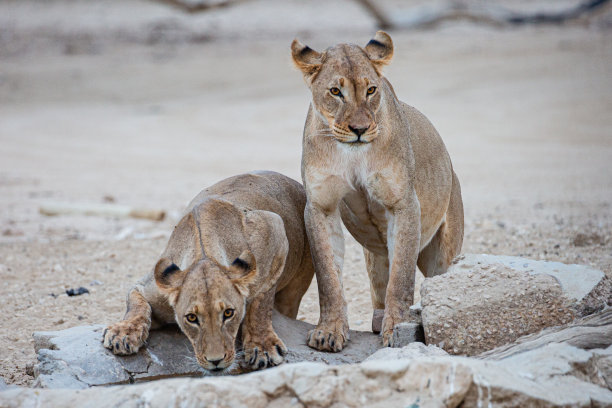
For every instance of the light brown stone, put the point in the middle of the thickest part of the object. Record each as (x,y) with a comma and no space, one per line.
(477,308)
(550,376)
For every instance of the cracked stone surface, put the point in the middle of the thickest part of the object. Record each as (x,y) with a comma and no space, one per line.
(486,301)
(553,375)
(75,358)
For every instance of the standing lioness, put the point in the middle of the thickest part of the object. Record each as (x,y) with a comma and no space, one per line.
(379,165)
(240,249)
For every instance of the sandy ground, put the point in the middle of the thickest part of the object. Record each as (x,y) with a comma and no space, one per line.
(525,114)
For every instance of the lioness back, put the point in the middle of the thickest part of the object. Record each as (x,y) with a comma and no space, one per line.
(274,192)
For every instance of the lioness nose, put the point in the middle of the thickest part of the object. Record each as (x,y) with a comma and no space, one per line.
(358,131)
(215,362)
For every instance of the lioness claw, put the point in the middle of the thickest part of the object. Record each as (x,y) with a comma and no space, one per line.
(257,356)
(325,340)
(124,338)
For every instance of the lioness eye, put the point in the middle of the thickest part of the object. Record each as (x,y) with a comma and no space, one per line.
(371,90)
(335,91)
(228,313)
(192,318)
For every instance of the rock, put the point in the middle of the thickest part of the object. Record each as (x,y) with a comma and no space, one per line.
(603,364)
(415,313)
(377,318)
(590,332)
(75,358)
(554,375)
(409,352)
(587,288)
(77,292)
(378,314)
(406,333)
(485,301)
(293,333)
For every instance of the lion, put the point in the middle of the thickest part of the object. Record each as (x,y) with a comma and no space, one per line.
(379,166)
(240,249)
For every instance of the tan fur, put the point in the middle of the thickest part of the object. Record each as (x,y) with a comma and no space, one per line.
(378,165)
(241,246)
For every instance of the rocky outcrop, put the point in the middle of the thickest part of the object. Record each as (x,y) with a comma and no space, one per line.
(485,301)
(553,375)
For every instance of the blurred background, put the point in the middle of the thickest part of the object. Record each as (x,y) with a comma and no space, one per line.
(143,103)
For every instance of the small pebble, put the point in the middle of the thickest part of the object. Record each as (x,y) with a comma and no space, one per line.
(76,292)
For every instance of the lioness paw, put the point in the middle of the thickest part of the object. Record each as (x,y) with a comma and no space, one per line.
(268,352)
(327,340)
(125,337)
(388,339)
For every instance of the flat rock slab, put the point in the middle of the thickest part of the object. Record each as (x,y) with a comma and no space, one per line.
(486,301)
(75,358)
(294,332)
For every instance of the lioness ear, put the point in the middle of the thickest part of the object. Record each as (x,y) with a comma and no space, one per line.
(169,278)
(243,271)
(380,50)
(306,59)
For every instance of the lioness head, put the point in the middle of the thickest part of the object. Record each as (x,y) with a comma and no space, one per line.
(209,302)
(345,81)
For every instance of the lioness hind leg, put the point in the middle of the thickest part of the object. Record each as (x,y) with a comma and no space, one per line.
(262,347)
(128,335)
(287,300)
(378,272)
(435,258)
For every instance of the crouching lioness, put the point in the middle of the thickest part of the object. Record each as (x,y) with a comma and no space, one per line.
(240,250)
(378,165)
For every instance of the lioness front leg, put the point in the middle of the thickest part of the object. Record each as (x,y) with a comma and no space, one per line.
(327,248)
(403,244)
(260,343)
(128,335)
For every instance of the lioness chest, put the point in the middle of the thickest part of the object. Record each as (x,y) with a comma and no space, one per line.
(366,219)
(367,191)
(363,190)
